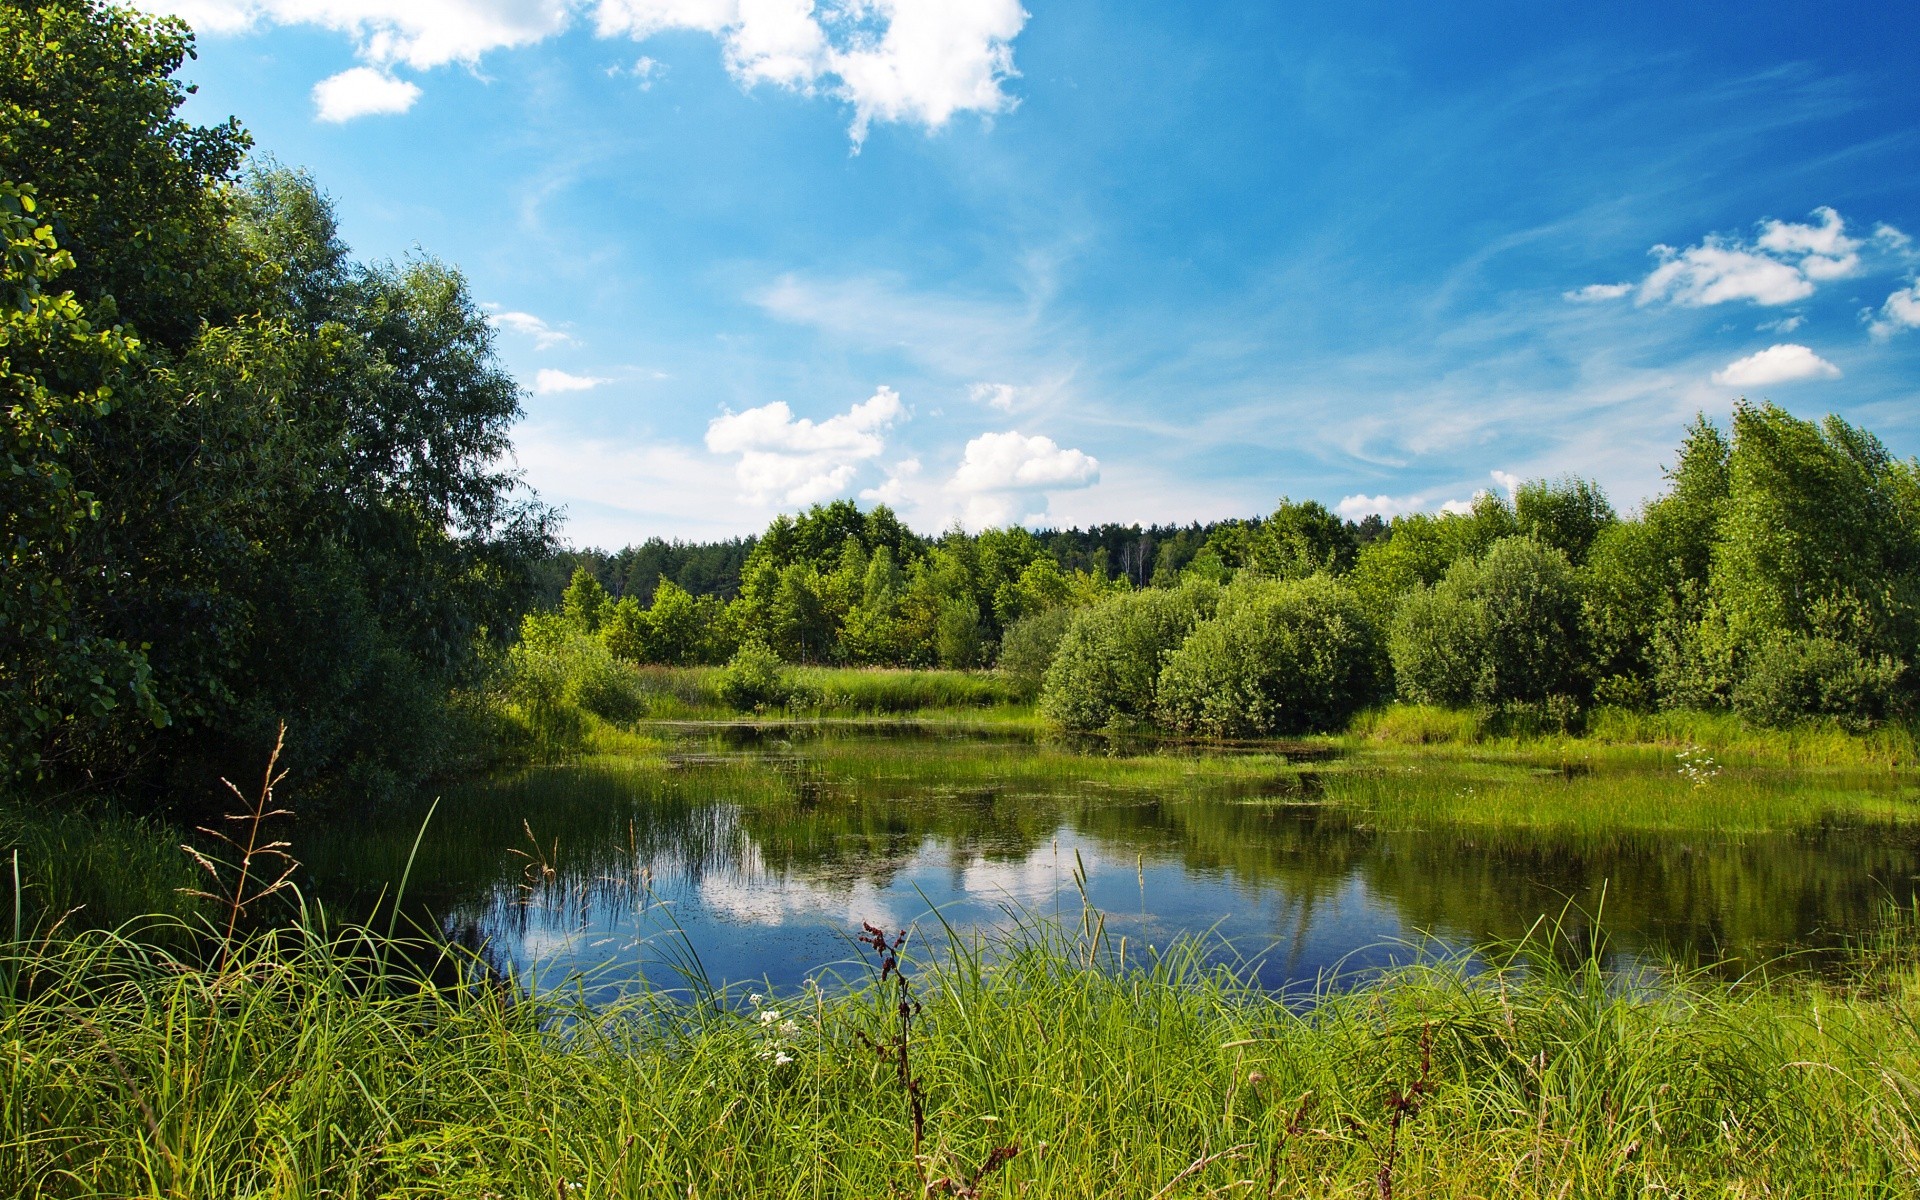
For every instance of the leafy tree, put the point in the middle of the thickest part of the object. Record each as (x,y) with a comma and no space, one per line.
(300,511)
(1292,657)
(1028,646)
(1500,629)
(586,603)
(1301,539)
(57,372)
(1567,514)
(1107,668)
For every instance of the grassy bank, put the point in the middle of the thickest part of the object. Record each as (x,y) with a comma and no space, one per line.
(295,1068)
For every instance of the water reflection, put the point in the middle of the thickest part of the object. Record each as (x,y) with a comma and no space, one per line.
(755,853)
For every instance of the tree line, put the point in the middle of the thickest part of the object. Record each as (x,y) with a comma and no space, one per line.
(248,479)
(1778,575)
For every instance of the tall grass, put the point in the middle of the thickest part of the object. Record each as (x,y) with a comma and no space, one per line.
(308,1064)
(1810,744)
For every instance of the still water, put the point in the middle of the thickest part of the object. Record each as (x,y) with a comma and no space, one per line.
(753,855)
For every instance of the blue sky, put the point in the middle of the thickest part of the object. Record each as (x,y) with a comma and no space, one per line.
(1066,262)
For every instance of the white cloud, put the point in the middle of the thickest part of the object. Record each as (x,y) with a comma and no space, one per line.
(1353,508)
(361,92)
(1717,271)
(1509,482)
(1003,476)
(645,71)
(1784,363)
(1783,325)
(935,58)
(1462,508)
(1900,312)
(800,461)
(1783,264)
(915,62)
(1824,250)
(545,336)
(897,490)
(1002,396)
(550,382)
(418,33)
(1595,293)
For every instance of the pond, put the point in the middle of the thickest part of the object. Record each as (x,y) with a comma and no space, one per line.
(745,855)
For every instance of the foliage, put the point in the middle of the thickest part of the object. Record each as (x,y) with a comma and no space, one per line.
(753,679)
(1496,630)
(1283,658)
(1796,676)
(1028,648)
(272,474)
(1107,668)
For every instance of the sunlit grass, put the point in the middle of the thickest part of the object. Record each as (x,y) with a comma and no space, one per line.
(322,1065)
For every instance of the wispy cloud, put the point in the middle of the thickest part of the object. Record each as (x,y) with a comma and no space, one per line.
(549,382)
(1784,262)
(544,335)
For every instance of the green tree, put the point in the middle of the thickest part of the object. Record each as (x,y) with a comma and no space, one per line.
(1500,629)
(1567,514)
(1298,656)
(1107,668)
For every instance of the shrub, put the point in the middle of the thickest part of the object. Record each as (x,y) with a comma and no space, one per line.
(1794,677)
(557,676)
(1293,657)
(753,679)
(1496,630)
(1028,647)
(1107,669)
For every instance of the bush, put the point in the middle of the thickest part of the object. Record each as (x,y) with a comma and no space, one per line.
(1107,669)
(1795,677)
(753,679)
(1280,658)
(1496,630)
(1028,647)
(557,676)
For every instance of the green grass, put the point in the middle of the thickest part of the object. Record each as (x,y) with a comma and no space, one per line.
(77,870)
(1811,744)
(690,693)
(316,1065)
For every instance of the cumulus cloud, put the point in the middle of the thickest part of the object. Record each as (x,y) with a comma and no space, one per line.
(1900,312)
(1783,363)
(1783,325)
(1508,481)
(1003,477)
(797,460)
(897,490)
(1596,293)
(550,382)
(911,61)
(420,34)
(1353,508)
(1782,264)
(361,92)
(545,336)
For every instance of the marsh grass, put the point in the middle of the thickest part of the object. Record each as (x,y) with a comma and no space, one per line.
(1809,744)
(690,693)
(309,1065)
